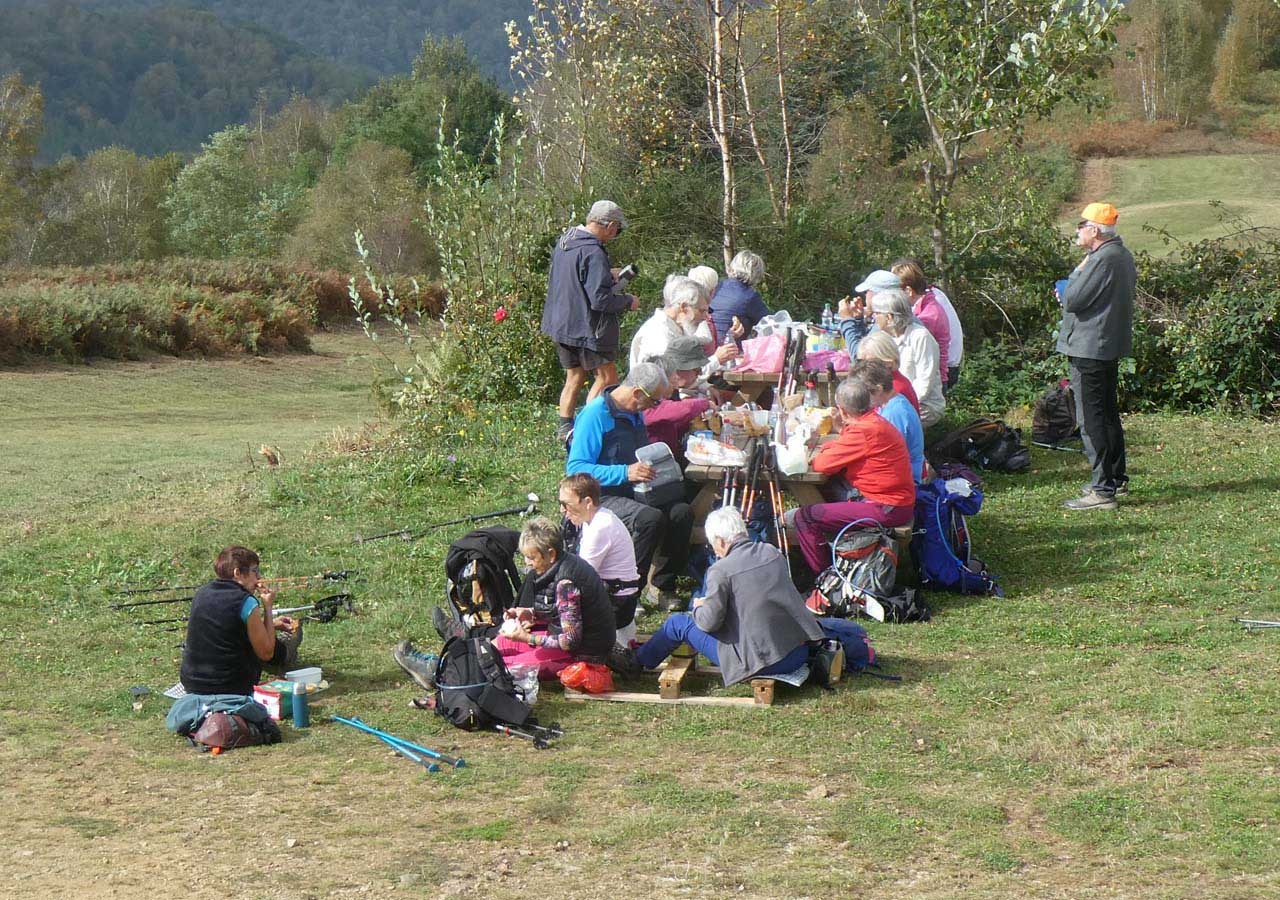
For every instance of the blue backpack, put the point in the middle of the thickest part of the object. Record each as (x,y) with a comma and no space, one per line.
(940,544)
(859,655)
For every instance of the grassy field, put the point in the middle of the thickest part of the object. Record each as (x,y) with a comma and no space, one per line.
(1105,731)
(1177,194)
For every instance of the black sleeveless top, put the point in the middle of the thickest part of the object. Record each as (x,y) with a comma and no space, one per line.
(218,658)
(598,629)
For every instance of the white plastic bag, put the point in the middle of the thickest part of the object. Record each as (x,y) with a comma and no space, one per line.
(526,679)
(793,458)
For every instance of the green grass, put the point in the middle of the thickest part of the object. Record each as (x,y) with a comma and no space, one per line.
(1106,730)
(1177,194)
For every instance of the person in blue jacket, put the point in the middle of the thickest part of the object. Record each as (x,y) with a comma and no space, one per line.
(606,435)
(894,408)
(583,305)
(737,296)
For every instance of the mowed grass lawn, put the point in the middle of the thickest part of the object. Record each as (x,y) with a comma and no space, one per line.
(1105,731)
(1175,193)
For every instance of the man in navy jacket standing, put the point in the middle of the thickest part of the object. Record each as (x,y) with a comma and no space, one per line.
(583,305)
(1096,332)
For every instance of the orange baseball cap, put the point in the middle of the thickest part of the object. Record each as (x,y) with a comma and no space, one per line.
(1102,213)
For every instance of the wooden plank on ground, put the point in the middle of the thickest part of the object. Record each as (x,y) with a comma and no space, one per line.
(631,697)
(669,681)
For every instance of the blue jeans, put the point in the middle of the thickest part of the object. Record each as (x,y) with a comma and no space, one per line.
(679,629)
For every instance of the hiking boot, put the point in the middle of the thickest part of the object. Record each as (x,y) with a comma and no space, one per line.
(663,601)
(622,660)
(446,625)
(1092,500)
(420,666)
(1123,490)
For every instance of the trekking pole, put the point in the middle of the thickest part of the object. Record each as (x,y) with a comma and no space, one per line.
(539,743)
(391,738)
(279,581)
(1255,624)
(153,602)
(326,608)
(409,534)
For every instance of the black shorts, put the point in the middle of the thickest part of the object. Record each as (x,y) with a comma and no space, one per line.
(582,358)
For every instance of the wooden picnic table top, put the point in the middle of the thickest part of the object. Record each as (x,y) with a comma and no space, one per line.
(733,376)
(714,473)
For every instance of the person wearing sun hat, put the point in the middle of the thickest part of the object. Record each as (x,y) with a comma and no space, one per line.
(1095,334)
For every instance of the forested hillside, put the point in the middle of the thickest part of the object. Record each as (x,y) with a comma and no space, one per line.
(383,35)
(155,80)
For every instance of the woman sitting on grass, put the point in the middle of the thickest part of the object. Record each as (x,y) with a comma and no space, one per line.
(231,632)
(563,614)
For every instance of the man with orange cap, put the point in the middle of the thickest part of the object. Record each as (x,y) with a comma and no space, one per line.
(1096,332)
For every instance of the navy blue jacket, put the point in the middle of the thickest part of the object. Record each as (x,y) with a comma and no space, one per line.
(582,309)
(736,298)
(605,440)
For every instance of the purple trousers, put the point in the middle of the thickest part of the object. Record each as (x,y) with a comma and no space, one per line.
(818,524)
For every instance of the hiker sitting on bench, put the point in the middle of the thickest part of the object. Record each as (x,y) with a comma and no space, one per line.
(877,375)
(606,435)
(752,621)
(563,613)
(604,544)
(231,633)
(872,457)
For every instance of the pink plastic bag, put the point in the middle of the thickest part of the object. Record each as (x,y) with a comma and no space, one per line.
(762,354)
(818,359)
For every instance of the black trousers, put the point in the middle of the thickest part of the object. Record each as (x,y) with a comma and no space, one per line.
(669,527)
(1096,383)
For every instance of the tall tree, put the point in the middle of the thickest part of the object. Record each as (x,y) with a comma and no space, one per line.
(21,124)
(1166,60)
(973,67)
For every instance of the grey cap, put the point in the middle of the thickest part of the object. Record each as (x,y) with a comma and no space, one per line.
(606,211)
(683,354)
(879,280)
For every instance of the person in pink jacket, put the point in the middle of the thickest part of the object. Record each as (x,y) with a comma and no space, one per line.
(925,306)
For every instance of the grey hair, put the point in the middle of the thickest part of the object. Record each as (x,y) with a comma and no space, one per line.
(897,304)
(853,397)
(1104,230)
(650,377)
(543,535)
(724,524)
(747,267)
(681,290)
(879,345)
(707,277)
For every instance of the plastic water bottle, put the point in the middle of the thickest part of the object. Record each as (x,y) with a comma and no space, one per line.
(729,341)
(811,400)
(828,317)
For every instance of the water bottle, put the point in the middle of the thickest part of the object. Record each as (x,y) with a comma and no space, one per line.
(828,317)
(811,400)
(301,708)
(727,342)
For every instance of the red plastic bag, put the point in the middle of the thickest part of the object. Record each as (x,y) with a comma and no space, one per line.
(591,678)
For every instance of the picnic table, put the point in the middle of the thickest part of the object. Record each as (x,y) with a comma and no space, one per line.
(804,489)
(752,384)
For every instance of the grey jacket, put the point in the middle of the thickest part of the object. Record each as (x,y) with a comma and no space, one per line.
(582,309)
(1097,306)
(753,610)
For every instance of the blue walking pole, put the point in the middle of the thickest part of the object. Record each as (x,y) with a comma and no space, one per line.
(401,742)
(403,751)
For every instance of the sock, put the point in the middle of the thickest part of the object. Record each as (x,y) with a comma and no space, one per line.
(566,420)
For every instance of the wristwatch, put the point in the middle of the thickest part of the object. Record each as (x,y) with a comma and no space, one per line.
(533,641)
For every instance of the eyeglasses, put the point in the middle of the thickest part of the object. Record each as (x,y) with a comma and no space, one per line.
(1085,225)
(564,504)
(650,401)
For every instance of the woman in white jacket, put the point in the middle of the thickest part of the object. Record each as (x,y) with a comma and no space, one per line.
(919,358)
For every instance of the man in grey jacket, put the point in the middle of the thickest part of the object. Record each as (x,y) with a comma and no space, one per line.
(583,305)
(1096,332)
(752,620)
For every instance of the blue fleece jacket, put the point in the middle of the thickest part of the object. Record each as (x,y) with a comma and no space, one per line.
(605,440)
(736,298)
(582,309)
(899,413)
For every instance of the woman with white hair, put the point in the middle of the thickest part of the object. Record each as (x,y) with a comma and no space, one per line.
(879,346)
(752,620)
(918,354)
(683,309)
(737,296)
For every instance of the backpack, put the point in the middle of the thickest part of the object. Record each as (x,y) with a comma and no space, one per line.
(1053,419)
(473,687)
(483,580)
(941,545)
(227,731)
(986,443)
(864,564)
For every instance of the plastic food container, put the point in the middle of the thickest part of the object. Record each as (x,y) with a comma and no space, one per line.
(310,675)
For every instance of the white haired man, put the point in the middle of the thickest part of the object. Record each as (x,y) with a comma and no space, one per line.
(683,310)
(1096,332)
(751,621)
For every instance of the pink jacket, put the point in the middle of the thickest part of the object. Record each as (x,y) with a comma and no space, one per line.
(933,317)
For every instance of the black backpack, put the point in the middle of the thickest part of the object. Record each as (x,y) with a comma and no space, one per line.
(473,687)
(1053,419)
(482,574)
(985,443)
